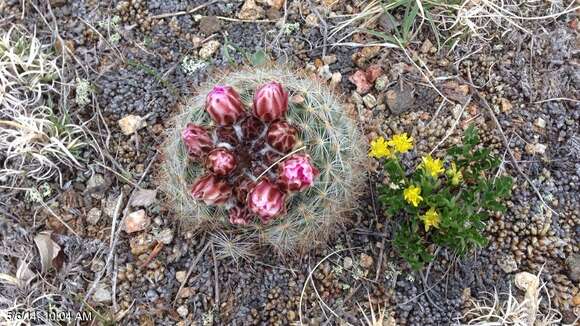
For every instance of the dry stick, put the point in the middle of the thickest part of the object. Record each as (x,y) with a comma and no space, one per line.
(382,251)
(308,279)
(119,55)
(257,21)
(324,31)
(557,99)
(181,13)
(424,74)
(58,218)
(280,160)
(191,267)
(116,232)
(216,279)
(114,239)
(114,285)
(425,277)
(484,103)
(452,127)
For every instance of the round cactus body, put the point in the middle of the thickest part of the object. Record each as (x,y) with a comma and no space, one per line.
(286,162)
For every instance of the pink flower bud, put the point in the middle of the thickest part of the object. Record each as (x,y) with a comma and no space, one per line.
(224,105)
(266,200)
(221,161)
(296,173)
(239,215)
(282,136)
(197,140)
(242,187)
(270,102)
(252,128)
(227,134)
(211,190)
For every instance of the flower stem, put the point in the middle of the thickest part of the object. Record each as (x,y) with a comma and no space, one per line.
(280,160)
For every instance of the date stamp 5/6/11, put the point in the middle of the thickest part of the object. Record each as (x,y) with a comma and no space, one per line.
(52,315)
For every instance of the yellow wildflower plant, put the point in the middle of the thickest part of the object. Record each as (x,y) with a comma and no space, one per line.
(455,175)
(379,148)
(431,219)
(401,142)
(433,167)
(412,195)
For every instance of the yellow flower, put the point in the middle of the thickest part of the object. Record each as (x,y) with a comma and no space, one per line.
(456,176)
(413,195)
(379,148)
(401,142)
(431,218)
(433,167)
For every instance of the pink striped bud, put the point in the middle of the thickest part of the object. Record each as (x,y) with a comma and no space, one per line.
(239,215)
(224,105)
(252,128)
(221,161)
(296,173)
(227,134)
(266,200)
(211,190)
(197,140)
(270,102)
(282,136)
(242,187)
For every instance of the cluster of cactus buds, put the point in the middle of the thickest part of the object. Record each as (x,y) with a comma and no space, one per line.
(240,154)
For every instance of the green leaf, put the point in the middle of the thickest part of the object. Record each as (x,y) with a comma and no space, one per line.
(471,138)
(409,19)
(258,58)
(394,169)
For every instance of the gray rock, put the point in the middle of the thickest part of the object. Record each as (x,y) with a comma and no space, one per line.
(102,294)
(182,311)
(400,99)
(508,264)
(94,215)
(209,25)
(96,181)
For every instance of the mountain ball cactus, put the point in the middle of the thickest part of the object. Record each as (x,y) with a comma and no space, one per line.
(265,151)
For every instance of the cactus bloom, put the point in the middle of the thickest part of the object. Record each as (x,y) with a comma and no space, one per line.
(211,190)
(296,173)
(282,136)
(239,215)
(197,140)
(221,161)
(270,102)
(266,200)
(224,105)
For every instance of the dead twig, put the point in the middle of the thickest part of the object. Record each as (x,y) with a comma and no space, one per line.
(323,30)
(506,143)
(181,13)
(114,238)
(257,21)
(450,131)
(382,251)
(191,267)
(156,250)
(216,278)
(425,277)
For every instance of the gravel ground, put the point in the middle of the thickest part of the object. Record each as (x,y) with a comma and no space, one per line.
(138,66)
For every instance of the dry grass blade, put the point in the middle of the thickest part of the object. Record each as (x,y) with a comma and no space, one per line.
(375,320)
(35,141)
